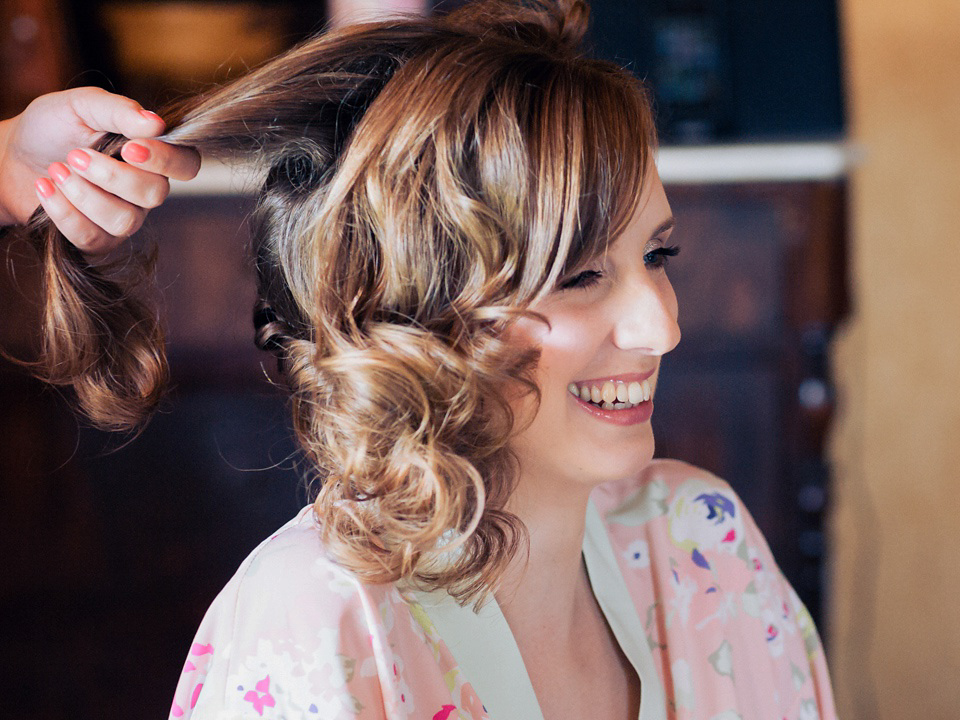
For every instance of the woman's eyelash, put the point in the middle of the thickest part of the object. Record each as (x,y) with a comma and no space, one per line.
(582,280)
(658,258)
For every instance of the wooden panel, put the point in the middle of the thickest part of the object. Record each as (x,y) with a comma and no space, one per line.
(761,285)
(114,547)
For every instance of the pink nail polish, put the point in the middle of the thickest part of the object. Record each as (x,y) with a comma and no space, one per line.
(78,159)
(132,152)
(44,187)
(59,172)
(151,116)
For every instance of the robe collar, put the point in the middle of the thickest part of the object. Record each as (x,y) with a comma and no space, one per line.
(487,654)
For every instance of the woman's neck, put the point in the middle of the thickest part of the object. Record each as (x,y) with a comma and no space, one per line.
(544,593)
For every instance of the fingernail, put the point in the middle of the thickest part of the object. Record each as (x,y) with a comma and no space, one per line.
(59,172)
(132,152)
(78,159)
(151,116)
(44,187)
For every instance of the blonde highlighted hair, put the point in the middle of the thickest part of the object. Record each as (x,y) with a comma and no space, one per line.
(426,179)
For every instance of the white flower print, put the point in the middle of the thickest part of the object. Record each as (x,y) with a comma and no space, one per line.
(722,659)
(727,715)
(726,610)
(637,554)
(684,590)
(276,682)
(648,504)
(808,711)
(703,518)
(683,684)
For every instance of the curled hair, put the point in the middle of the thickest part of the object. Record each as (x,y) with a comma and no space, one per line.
(426,180)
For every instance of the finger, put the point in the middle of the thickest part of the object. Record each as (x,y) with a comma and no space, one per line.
(138,187)
(104,111)
(178,163)
(89,238)
(115,216)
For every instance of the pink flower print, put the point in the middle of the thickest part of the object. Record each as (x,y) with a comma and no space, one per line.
(176,711)
(396,674)
(196,695)
(730,536)
(261,697)
(772,632)
(198,649)
(444,713)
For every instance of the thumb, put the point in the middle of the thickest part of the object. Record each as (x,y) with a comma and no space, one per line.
(104,111)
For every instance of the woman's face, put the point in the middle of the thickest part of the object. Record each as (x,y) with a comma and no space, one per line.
(611,322)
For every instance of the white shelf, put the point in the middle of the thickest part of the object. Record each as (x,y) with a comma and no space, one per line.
(701,165)
(772,162)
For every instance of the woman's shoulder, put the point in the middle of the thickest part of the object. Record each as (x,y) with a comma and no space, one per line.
(289,579)
(723,623)
(287,618)
(653,490)
(292,554)
(684,514)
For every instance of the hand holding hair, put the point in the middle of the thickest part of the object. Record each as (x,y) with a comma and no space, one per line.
(96,201)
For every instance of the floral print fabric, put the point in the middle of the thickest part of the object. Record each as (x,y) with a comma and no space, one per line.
(294,636)
(730,638)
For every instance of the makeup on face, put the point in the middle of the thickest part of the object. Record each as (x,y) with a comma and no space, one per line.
(600,355)
(622,399)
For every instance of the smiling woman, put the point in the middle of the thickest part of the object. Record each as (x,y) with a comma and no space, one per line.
(608,323)
(461,243)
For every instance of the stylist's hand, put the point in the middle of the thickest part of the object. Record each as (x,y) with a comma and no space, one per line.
(94,200)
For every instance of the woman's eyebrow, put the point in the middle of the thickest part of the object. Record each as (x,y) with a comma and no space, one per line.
(667,224)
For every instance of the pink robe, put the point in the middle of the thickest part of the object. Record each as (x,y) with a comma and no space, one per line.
(678,566)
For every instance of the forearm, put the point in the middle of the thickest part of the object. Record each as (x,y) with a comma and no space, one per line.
(18,197)
(7,216)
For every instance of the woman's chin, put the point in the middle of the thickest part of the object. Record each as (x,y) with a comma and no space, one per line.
(613,467)
(626,470)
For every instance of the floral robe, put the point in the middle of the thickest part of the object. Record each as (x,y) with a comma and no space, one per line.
(678,566)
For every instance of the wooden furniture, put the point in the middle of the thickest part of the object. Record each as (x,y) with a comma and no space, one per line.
(761,285)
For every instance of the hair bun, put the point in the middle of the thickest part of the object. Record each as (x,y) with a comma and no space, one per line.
(560,22)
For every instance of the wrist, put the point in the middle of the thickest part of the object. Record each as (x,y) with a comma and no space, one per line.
(6,215)
(18,197)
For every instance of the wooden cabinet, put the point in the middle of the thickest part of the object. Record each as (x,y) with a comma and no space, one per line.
(746,395)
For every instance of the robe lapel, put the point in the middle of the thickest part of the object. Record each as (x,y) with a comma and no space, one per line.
(488,656)
(485,650)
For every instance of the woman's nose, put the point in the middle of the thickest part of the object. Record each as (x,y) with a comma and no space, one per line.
(646,318)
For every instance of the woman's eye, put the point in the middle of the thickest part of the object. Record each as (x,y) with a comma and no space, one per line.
(658,258)
(581,280)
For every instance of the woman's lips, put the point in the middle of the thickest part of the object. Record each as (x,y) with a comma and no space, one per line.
(620,400)
(613,394)
(625,399)
(632,415)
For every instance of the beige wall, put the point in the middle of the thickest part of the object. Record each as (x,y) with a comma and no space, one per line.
(894,629)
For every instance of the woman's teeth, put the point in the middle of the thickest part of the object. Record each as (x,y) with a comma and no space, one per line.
(613,395)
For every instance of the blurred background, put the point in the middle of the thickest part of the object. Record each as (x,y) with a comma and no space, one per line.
(810,155)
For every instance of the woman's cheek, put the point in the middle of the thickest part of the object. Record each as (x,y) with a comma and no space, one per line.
(571,342)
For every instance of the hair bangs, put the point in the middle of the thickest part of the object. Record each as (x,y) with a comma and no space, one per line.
(593,164)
